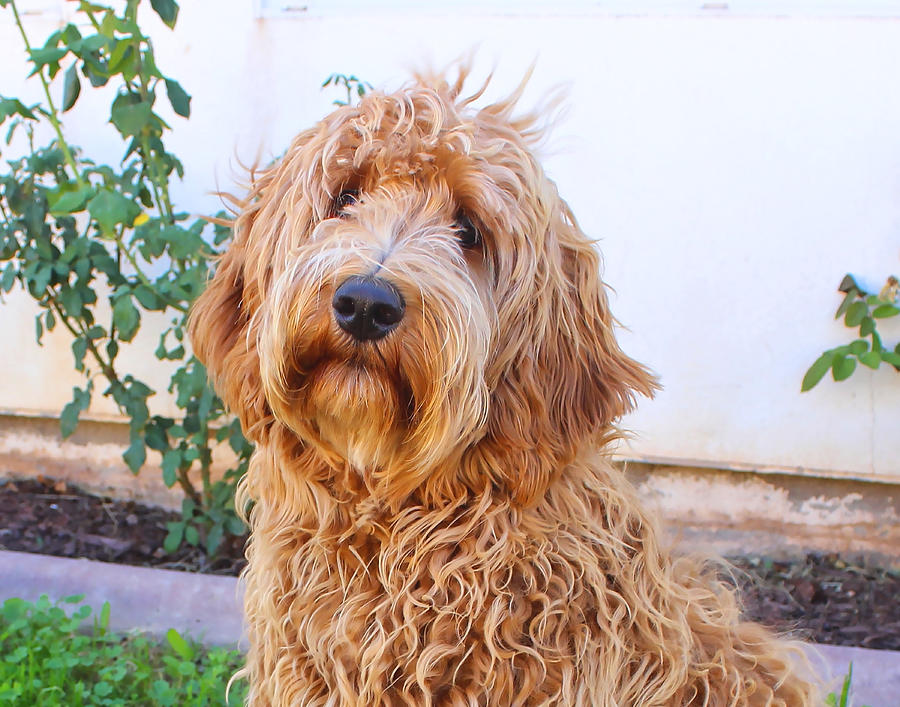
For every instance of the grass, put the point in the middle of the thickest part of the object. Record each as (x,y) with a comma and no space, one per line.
(842,699)
(51,654)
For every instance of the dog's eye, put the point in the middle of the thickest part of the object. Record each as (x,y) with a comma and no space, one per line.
(346,198)
(468,233)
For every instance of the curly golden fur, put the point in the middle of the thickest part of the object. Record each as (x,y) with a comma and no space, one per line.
(435,520)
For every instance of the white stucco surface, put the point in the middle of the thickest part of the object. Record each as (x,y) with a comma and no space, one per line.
(733,167)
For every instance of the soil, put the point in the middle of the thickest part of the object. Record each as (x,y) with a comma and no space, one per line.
(824,598)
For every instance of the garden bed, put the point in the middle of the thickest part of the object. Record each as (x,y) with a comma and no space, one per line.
(826,597)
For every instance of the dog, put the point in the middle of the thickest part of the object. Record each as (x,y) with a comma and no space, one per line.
(413,330)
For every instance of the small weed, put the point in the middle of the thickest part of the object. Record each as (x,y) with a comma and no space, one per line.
(842,700)
(53,656)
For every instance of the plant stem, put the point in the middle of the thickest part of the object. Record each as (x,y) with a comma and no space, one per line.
(87,10)
(157,179)
(123,249)
(51,113)
(79,333)
(187,486)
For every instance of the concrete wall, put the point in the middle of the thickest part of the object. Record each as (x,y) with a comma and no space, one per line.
(735,166)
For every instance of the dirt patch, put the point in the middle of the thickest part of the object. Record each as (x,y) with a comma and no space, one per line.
(825,598)
(829,599)
(52,518)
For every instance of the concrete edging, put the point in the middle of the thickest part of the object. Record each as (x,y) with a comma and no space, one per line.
(208,608)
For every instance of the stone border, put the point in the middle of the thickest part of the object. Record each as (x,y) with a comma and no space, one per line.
(208,608)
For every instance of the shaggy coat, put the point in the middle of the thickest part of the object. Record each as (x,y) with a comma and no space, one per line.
(434,518)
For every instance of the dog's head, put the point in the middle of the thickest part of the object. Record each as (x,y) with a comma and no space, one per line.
(409,296)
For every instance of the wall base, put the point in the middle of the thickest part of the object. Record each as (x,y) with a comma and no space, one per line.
(716,510)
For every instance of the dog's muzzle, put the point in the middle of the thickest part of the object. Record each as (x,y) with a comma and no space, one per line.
(367,308)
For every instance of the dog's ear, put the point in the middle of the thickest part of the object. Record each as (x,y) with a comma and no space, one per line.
(220,329)
(564,380)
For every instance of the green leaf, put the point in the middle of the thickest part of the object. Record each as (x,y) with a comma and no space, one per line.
(236,525)
(147,297)
(71,37)
(872,359)
(126,317)
(858,347)
(848,283)
(104,616)
(180,100)
(46,55)
(110,208)
(8,277)
(130,116)
(845,688)
(842,367)
(71,301)
(68,201)
(867,326)
(79,349)
(167,11)
(191,535)
(68,419)
(885,310)
(155,434)
(892,358)
(816,371)
(13,106)
(182,242)
(122,54)
(135,455)
(71,88)
(93,43)
(847,301)
(179,645)
(170,462)
(213,538)
(174,536)
(856,312)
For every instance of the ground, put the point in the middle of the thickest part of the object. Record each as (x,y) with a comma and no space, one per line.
(825,598)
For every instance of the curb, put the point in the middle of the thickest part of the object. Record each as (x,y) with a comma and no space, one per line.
(208,608)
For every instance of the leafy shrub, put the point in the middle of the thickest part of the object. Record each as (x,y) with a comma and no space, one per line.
(75,233)
(859,309)
(50,659)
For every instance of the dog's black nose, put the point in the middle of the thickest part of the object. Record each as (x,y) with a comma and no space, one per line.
(367,308)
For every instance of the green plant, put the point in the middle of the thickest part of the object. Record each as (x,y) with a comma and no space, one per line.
(859,309)
(842,700)
(97,246)
(52,657)
(351,84)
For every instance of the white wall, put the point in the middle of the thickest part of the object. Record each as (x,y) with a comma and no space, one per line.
(734,166)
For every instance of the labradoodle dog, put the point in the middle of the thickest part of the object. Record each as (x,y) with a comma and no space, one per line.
(413,330)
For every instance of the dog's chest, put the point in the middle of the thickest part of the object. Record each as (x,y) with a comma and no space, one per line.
(432,608)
